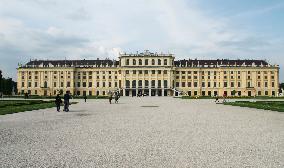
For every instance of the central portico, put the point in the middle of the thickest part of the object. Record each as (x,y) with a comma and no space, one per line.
(147,73)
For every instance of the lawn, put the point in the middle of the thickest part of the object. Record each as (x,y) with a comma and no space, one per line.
(12,106)
(266,105)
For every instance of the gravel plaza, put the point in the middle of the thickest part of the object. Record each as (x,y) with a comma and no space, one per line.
(143,132)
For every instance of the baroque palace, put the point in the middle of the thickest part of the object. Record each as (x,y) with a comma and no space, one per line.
(151,74)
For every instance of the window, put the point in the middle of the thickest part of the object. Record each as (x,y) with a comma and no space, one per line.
(127,61)
(127,83)
(183,84)
(159,62)
(104,84)
(159,72)
(54,84)
(45,84)
(203,84)
(140,72)
(127,71)
(98,84)
(29,84)
(109,84)
(134,71)
(248,85)
(153,71)
(159,83)
(153,83)
(165,62)
(188,84)
(153,62)
(165,83)
(78,84)
(195,84)
(209,84)
(165,71)
(134,62)
(68,84)
(146,61)
(134,84)
(35,84)
(90,84)
(177,84)
(146,72)
(146,83)
(225,84)
(232,84)
(140,83)
(140,61)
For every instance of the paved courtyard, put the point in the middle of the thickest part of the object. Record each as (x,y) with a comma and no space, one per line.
(143,132)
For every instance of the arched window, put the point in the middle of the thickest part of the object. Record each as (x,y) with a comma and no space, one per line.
(127,84)
(134,84)
(153,62)
(134,62)
(45,84)
(159,62)
(127,61)
(140,61)
(165,62)
(146,61)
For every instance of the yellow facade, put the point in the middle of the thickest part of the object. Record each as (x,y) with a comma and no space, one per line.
(149,73)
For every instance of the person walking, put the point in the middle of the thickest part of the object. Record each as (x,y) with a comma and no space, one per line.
(110,97)
(85,97)
(224,98)
(116,97)
(58,102)
(66,102)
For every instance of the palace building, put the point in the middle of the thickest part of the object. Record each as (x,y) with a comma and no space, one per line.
(149,73)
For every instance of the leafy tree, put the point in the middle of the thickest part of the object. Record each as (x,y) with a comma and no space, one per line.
(234,92)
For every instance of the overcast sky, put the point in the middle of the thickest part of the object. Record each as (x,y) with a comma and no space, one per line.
(90,29)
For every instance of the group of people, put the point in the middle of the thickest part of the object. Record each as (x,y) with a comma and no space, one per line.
(224,98)
(113,94)
(66,102)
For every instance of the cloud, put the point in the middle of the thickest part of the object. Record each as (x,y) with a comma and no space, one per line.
(99,28)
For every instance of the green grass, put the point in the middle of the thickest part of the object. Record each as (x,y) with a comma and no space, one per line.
(266,105)
(235,97)
(12,106)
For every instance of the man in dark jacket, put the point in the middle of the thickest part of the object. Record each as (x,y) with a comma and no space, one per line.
(58,102)
(66,101)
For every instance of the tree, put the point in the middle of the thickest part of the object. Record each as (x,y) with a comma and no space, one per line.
(7,85)
(234,92)
(281,87)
